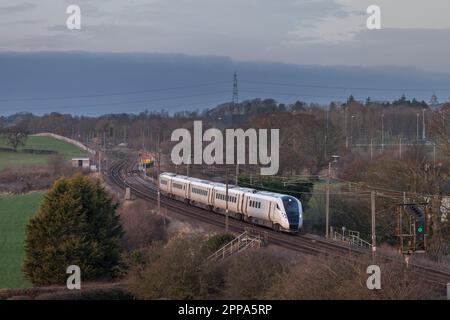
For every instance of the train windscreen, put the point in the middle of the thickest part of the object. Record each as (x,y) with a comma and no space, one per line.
(292,210)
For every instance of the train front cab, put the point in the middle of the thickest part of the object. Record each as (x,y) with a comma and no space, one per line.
(294,212)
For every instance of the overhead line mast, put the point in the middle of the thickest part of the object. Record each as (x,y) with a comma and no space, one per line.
(235,102)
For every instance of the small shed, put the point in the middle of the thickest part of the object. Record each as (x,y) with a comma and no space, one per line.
(81,163)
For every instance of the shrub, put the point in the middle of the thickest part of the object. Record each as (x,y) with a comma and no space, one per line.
(75,225)
(250,274)
(141,226)
(217,241)
(335,278)
(177,270)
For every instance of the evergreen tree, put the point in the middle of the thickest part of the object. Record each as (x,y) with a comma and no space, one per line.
(76,224)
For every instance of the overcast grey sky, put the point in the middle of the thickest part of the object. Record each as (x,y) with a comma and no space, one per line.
(324,32)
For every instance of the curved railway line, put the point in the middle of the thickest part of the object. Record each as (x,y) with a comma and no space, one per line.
(121,174)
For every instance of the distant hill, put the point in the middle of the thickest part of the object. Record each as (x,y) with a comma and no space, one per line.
(99,83)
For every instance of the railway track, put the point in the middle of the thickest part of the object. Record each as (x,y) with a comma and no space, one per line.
(121,174)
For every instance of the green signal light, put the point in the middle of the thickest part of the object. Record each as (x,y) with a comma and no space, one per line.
(420,229)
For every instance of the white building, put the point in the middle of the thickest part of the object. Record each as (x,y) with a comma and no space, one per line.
(83,163)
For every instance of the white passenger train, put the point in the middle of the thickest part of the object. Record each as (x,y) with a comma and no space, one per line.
(274,210)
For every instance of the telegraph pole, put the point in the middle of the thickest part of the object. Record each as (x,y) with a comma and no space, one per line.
(326,132)
(351,130)
(226,201)
(443,122)
(158,172)
(371,149)
(345,127)
(434,154)
(382,131)
(374,237)
(401,221)
(423,125)
(417,129)
(235,101)
(100,161)
(327,203)
(235,90)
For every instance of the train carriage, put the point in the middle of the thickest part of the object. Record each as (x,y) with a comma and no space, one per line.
(234,198)
(259,208)
(200,191)
(274,210)
(287,211)
(180,187)
(165,180)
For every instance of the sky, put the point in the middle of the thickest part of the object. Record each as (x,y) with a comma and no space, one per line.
(320,32)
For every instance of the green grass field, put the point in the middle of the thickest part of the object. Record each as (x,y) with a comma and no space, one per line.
(8,159)
(15,212)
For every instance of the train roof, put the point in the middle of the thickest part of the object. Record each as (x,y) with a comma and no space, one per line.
(200,181)
(274,194)
(231,187)
(244,189)
(170,174)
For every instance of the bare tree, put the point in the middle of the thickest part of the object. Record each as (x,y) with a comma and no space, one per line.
(15,136)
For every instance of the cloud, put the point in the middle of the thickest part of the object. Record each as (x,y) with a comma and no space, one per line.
(349,19)
(281,30)
(16,8)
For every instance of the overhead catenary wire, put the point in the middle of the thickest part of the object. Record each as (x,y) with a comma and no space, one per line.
(146,101)
(243,90)
(114,93)
(308,85)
